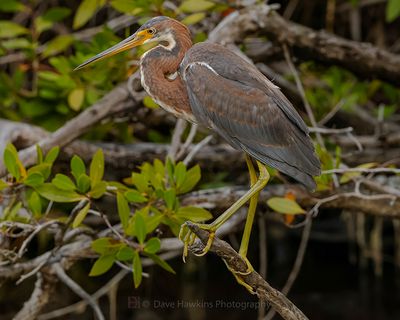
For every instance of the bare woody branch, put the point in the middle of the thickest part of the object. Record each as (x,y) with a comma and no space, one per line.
(235,262)
(363,59)
(115,101)
(44,286)
(381,205)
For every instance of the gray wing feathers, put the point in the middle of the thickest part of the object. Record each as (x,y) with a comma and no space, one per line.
(263,124)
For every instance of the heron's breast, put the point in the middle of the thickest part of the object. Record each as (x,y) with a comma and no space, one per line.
(170,95)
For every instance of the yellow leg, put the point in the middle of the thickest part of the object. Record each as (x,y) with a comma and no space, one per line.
(251,211)
(249,222)
(256,186)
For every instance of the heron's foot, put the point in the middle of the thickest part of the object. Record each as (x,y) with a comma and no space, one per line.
(239,274)
(188,237)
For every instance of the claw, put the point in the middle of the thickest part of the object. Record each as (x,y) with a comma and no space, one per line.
(238,274)
(192,239)
(188,238)
(207,246)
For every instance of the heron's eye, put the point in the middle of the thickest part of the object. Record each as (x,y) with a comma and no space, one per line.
(151,31)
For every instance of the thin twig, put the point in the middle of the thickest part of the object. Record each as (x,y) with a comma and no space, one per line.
(176,138)
(298,262)
(188,142)
(38,228)
(330,131)
(78,290)
(300,88)
(362,170)
(196,149)
(263,258)
(33,271)
(332,112)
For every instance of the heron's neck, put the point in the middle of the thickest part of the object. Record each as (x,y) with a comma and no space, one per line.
(159,68)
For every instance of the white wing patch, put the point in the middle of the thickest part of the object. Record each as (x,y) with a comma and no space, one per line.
(199,63)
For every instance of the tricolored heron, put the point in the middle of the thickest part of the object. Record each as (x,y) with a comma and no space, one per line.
(210,85)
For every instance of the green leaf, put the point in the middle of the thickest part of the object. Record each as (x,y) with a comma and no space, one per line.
(170,198)
(83,183)
(57,45)
(52,155)
(102,265)
(123,210)
(10,147)
(196,5)
(149,103)
(152,222)
(42,24)
(81,215)
(192,177)
(11,164)
(140,228)
(11,6)
(10,29)
(153,245)
(85,11)
(392,10)
(195,214)
(98,190)
(75,98)
(52,193)
(16,43)
(135,196)
(160,262)
(125,253)
(194,18)
(97,167)
(63,182)
(3,185)
(180,174)
(285,206)
(44,169)
(34,179)
(56,14)
(39,154)
(137,269)
(101,245)
(170,166)
(140,182)
(11,213)
(125,6)
(159,167)
(35,204)
(77,167)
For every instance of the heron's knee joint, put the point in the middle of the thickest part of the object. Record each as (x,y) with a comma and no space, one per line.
(264,175)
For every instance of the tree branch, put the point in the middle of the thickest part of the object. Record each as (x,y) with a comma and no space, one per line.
(115,101)
(235,262)
(363,59)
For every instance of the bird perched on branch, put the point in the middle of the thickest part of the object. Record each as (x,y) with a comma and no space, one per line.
(210,85)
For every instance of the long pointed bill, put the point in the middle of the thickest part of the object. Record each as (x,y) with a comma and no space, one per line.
(130,42)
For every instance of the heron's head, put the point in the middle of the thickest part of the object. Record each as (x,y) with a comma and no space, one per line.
(159,29)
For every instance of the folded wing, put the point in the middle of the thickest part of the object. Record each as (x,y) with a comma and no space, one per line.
(231,97)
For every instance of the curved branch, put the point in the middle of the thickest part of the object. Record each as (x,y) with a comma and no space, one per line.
(235,262)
